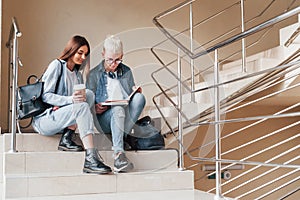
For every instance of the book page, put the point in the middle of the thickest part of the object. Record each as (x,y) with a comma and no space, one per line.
(115,103)
(133,92)
(121,101)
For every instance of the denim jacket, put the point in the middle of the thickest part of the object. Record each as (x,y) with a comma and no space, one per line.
(50,78)
(97,81)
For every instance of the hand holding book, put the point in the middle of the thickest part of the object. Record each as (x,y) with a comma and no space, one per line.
(122,101)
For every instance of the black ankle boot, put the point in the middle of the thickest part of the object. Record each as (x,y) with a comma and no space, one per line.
(66,143)
(94,163)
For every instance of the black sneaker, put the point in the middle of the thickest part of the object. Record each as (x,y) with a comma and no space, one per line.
(122,163)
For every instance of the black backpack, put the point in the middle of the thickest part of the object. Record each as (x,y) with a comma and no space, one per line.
(145,136)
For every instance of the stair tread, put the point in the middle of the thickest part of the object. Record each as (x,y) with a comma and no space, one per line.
(72,174)
(53,184)
(158,195)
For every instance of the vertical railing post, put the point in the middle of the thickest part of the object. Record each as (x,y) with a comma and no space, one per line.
(192,49)
(243,40)
(217,126)
(14,94)
(13,38)
(179,101)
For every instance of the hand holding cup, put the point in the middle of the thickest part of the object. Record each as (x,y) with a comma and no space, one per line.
(79,94)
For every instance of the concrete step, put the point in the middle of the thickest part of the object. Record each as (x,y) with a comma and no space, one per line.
(57,184)
(72,162)
(157,195)
(34,142)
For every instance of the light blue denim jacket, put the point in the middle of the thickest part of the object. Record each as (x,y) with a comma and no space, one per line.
(50,79)
(97,81)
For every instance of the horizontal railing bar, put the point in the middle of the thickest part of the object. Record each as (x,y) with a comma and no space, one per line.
(246,162)
(293,37)
(268,183)
(266,149)
(206,122)
(267,87)
(247,126)
(251,102)
(285,66)
(237,27)
(170,100)
(165,65)
(248,32)
(278,188)
(261,175)
(294,114)
(238,97)
(289,194)
(173,9)
(230,40)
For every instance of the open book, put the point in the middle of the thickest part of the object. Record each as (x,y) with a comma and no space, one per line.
(121,101)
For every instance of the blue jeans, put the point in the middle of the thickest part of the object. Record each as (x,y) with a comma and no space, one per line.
(119,120)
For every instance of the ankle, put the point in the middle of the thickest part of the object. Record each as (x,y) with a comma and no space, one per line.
(117,154)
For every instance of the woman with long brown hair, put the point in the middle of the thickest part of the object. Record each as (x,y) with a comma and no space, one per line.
(70,109)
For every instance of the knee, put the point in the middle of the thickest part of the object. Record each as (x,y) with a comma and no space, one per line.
(138,100)
(82,107)
(90,97)
(118,111)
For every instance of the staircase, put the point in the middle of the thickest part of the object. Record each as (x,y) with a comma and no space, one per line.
(39,171)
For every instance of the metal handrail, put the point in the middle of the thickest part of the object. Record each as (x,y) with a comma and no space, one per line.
(214,48)
(209,18)
(12,43)
(14,32)
(273,21)
(226,42)
(248,32)
(283,67)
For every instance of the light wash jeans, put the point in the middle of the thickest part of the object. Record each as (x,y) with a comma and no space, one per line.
(119,120)
(54,122)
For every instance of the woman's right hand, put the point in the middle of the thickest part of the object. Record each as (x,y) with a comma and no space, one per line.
(100,109)
(78,97)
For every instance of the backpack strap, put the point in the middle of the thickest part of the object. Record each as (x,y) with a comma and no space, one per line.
(59,78)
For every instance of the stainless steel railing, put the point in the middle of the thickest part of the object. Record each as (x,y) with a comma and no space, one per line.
(217,84)
(293,37)
(12,44)
(215,39)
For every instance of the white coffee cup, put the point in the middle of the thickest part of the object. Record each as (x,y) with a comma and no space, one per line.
(80,88)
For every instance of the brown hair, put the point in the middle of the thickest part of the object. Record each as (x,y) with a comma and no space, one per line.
(72,47)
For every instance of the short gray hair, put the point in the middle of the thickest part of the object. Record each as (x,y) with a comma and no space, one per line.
(113,44)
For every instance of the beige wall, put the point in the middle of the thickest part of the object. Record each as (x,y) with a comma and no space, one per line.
(47,25)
